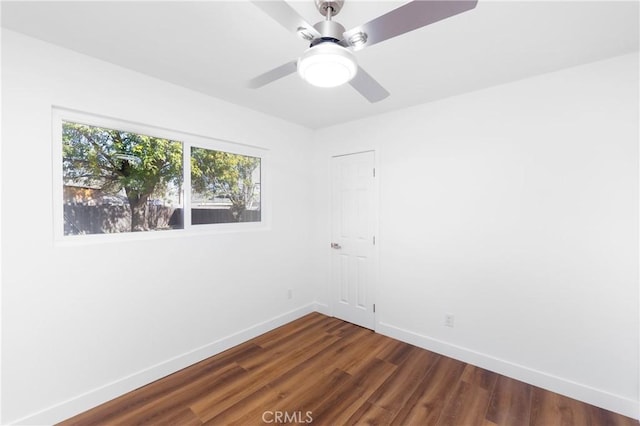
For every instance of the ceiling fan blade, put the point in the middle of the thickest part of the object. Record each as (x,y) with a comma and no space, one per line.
(273,75)
(409,17)
(286,16)
(368,87)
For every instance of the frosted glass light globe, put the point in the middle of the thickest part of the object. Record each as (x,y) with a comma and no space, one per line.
(327,65)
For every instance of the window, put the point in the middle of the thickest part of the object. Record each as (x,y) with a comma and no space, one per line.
(118,181)
(122,178)
(225,187)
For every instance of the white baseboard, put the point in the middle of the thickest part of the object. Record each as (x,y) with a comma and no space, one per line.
(109,391)
(322,308)
(581,392)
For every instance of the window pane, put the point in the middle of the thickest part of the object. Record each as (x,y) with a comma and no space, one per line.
(225,187)
(117,181)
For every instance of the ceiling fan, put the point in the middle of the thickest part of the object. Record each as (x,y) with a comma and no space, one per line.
(329,61)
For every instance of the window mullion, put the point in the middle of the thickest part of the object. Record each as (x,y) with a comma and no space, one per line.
(186,187)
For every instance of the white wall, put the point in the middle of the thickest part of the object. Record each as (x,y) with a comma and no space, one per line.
(82,324)
(514,208)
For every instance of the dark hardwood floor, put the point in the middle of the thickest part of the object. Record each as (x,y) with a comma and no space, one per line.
(325,371)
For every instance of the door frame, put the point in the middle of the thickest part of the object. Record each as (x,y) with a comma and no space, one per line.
(376,230)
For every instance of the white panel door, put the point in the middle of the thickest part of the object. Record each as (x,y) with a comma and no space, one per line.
(353,224)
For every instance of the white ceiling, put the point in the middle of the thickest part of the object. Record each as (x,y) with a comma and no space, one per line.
(214,47)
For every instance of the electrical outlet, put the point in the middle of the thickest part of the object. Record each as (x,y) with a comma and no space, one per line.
(449,320)
(290,293)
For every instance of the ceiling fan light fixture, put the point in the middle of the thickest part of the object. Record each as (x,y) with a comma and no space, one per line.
(327,65)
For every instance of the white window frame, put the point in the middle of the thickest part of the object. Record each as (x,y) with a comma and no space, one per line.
(60,114)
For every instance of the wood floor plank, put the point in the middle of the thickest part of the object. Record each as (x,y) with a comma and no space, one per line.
(287,333)
(429,399)
(479,377)
(174,402)
(359,347)
(551,408)
(184,417)
(298,345)
(395,352)
(322,390)
(216,402)
(398,388)
(305,379)
(467,406)
(257,402)
(600,417)
(339,373)
(154,391)
(300,400)
(313,366)
(368,348)
(370,414)
(354,394)
(510,403)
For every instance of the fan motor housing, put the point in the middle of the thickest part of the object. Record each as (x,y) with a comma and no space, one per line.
(330,29)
